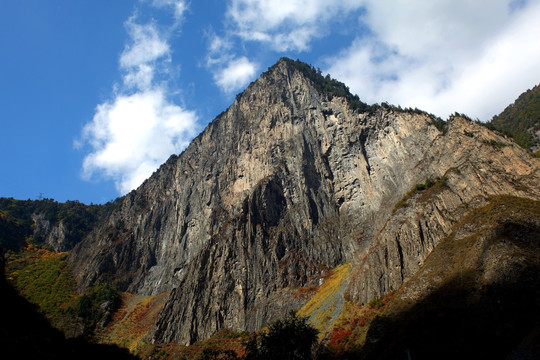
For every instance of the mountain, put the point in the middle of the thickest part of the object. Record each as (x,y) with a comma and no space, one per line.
(295,178)
(521,120)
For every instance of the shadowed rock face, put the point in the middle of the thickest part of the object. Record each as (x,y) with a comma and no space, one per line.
(284,185)
(477,294)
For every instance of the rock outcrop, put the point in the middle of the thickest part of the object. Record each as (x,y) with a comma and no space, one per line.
(53,234)
(286,184)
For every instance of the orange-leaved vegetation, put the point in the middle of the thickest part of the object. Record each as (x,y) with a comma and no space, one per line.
(348,333)
(225,344)
(132,321)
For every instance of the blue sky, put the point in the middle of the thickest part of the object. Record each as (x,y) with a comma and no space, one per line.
(95,95)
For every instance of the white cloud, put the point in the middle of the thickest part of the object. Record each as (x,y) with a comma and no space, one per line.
(235,75)
(140,77)
(134,133)
(230,72)
(471,57)
(416,28)
(286,24)
(147,45)
(219,51)
(179,7)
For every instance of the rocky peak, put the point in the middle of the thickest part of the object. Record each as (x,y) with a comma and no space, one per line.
(174,213)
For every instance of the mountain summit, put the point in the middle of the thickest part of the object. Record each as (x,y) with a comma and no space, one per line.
(296,177)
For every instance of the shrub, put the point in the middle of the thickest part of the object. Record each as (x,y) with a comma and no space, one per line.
(519,118)
(376,303)
(440,124)
(96,306)
(494,143)
(290,338)
(442,182)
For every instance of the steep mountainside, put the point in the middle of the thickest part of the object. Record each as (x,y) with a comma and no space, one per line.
(476,296)
(291,181)
(521,120)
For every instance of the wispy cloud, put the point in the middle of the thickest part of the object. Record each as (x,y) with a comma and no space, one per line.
(146,45)
(235,75)
(230,72)
(136,131)
(178,7)
(286,24)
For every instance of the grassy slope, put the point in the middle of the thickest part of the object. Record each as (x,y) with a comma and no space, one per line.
(44,278)
(327,302)
(27,334)
(130,325)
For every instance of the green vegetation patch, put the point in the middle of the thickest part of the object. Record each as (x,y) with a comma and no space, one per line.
(519,118)
(494,143)
(44,278)
(439,183)
(96,306)
(440,124)
(12,232)
(289,338)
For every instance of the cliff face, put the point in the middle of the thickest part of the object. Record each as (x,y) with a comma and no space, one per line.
(476,164)
(51,234)
(286,184)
